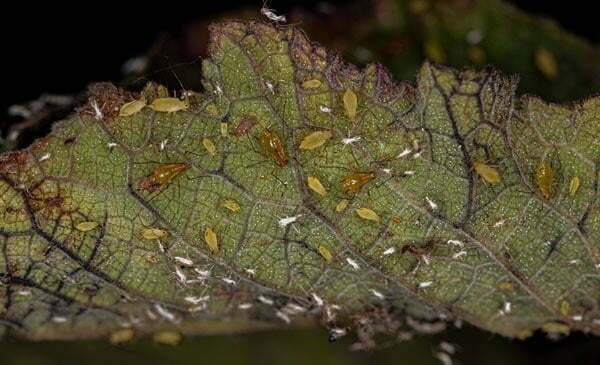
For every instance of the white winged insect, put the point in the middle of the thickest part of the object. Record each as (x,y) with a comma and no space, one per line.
(270,14)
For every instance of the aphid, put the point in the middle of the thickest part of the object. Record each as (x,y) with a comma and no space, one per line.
(456,243)
(459,254)
(546,63)
(506,285)
(396,219)
(231,205)
(169,105)
(224,128)
(574,186)
(316,186)
(153,233)
(389,251)
(350,104)
(210,146)
(488,173)
(86,226)
(210,237)
(425,284)
(59,319)
(341,206)
(161,175)
(245,125)
(325,253)
(368,214)
(180,275)
(325,109)
(314,140)
(211,109)
(544,177)
(132,107)
(356,180)
(245,306)
(311,84)
(273,146)
(44,157)
(167,337)
(120,336)
(350,140)
(564,307)
(577,318)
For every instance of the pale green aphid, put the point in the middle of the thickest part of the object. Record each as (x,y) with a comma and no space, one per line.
(169,105)
(132,107)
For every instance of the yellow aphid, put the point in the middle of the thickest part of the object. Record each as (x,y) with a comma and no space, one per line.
(224,128)
(488,173)
(120,336)
(86,226)
(544,177)
(153,233)
(574,186)
(211,109)
(523,334)
(210,237)
(368,214)
(210,146)
(350,104)
(556,327)
(166,337)
(325,253)
(311,84)
(316,185)
(314,140)
(231,205)
(341,206)
(168,105)
(132,107)
(506,285)
(564,307)
(546,63)
(396,219)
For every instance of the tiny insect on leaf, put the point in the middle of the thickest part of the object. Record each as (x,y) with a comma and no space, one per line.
(314,140)
(168,105)
(273,146)
(210,146)
(210,237)
(316,186)
(350,104)
(368,214)
(355,181)
(311,84)
(153,233)
(488,173)
(323,251)
(544,179)
(86,226)
(132,107)
(574,186)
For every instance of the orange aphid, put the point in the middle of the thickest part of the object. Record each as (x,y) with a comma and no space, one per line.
(356,180)
(273,146)
(162,175)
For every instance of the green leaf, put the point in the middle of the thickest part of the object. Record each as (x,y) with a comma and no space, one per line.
(167,253)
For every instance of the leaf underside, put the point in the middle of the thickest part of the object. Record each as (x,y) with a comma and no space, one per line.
(446,245)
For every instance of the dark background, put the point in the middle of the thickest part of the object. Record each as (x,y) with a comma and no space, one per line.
(61,49)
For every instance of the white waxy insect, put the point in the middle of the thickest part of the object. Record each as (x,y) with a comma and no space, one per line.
(448,347)
(456,243)
(270,87)
(218,90)
(150,314)
(575,262)
(163,144)
(377,294)
(265,300)
(409,173)
(111,145)
(197,308)
(431,203)
(349,140)
(294,308)
(389,251)
(404,153)
(59,319)
(24,293)
(499,223)
(44,157)
(352,263)
(270,14)
(97,112)
(163,312)
(459,254)
(318,300)
(229,281)
(284,317)
(245,306)
(196,300)
(507,307)
(444,358)
(325,109)
(250,271)
(283,222)
(426,259)
(387,171)
(184,261)
(180,275)
(577,318)
(202,274)
(425,284)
